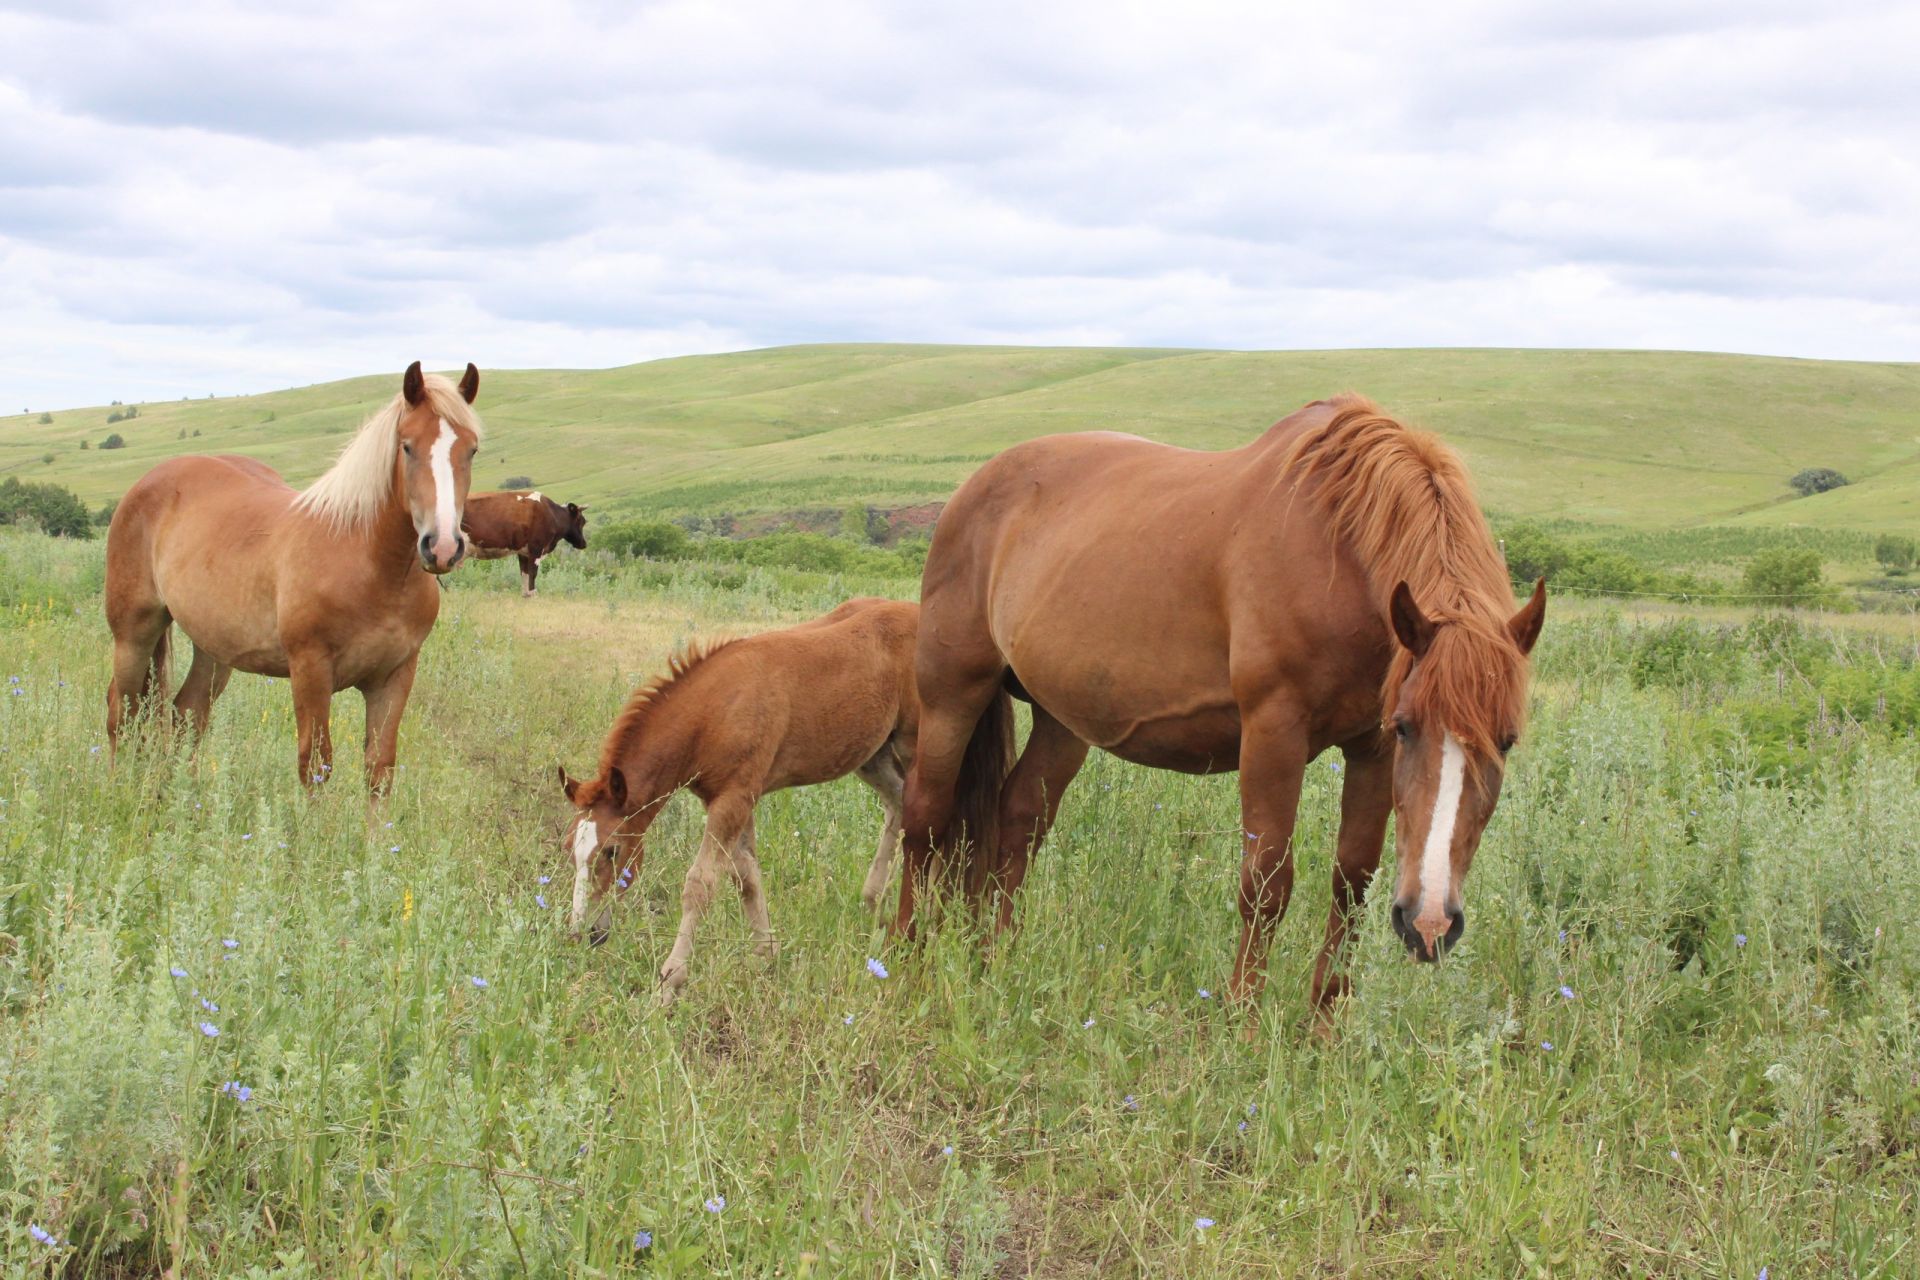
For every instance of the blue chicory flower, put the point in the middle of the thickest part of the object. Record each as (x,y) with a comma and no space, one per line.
(875,968)
(541,899)
(478,982)
(642,1239)
(208,1030)
(177,971)
(716,1203)
(1201,1224)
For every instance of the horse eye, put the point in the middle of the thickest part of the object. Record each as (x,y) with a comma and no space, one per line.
(406,449)
(1402,730)
(1506,745)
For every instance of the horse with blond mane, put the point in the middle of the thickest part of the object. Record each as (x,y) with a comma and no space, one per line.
(732,722)
(332,586)
(1331,584)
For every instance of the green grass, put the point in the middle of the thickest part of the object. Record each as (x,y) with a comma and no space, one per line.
(1637,440)
(1707,1107)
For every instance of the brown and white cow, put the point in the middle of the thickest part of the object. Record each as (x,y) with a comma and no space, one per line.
(526,524)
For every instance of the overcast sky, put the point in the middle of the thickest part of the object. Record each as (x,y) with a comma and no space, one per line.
(198,198)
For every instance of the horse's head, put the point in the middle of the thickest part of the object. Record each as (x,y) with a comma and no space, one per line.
(437,444)
(574,522)
(1457,698)
(600,835)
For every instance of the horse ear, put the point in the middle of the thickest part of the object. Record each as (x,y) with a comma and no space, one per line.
(1525,625)
(413,386)
(470,383)
(617,787)
(567,784)
(1409,624)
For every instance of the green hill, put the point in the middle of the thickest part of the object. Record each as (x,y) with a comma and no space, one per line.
(1633,439)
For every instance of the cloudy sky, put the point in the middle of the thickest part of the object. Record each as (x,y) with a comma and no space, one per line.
(203,198)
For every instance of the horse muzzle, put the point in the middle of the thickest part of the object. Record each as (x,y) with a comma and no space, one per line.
(1421,948)
(441,555)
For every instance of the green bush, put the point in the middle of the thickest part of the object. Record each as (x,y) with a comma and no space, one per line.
(1816,480)
(104,516)
(114,441)
(46,419)
(1784,576)
(1895,552)
(648,539)
(517,482)
(56,509)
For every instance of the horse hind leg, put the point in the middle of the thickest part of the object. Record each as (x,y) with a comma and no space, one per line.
(753,895)
(889,781)
(1030,801)
(140,651)
(206,678)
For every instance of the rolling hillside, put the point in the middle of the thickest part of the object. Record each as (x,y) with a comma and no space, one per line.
(1639,440)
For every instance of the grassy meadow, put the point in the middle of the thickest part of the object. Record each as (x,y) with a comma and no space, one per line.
(1628,440)
(1679,1037)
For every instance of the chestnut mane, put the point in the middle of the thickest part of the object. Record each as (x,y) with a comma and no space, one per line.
(1403,503)
(648,698)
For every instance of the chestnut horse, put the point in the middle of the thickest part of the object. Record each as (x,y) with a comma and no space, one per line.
(734,721)
(1331,584)
(332,586)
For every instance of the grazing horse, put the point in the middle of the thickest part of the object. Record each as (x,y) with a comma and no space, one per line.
(1331,584)
(528,525)
(734,721)
(332,586)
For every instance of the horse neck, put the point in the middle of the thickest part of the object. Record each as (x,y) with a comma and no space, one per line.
(391,540)
(657,762)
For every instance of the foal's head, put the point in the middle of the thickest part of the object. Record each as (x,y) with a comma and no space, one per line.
(1456,700)
(435,459)
(601,833)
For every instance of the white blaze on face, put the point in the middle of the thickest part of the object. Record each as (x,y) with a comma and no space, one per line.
(586,839)
(445,522)
(1436,856)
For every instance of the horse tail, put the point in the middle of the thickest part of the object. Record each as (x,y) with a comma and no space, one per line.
(975,825)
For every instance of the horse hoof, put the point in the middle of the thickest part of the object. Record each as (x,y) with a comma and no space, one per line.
(597,938)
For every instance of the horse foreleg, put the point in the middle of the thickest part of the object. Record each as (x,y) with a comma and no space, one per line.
(386,703)
(889,782)
(312,678)
(1366,798)
(727,817)
(1273,756)
(753,895)
(1030,801)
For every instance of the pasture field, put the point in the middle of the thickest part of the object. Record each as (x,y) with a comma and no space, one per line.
(1680,1036)
(1630,440)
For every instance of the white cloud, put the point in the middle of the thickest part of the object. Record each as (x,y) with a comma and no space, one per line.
(210,198)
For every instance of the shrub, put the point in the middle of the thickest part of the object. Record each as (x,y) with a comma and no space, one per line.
(113,441)
(1816,480)
(46,457)
(1784,576)
(517,482)
(46,419)
(1895,552)
(651,539)
(56,509)
(104,516)
(860,523)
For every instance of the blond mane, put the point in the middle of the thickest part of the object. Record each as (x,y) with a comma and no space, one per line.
(1402,500)
(350,493)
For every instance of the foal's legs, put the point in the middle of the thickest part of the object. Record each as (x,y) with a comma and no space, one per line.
(889,782)
(386,703)
(1366,798)
(1031,799)
(727,819)
(1273,755)
(311,672)
(948,714)
(205,679)
(753,896)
